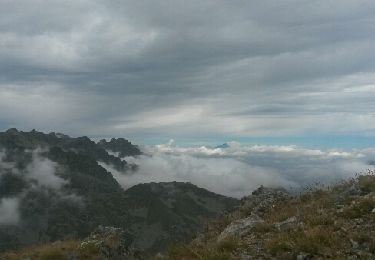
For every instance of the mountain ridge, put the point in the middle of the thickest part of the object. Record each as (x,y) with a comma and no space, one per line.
(60,191)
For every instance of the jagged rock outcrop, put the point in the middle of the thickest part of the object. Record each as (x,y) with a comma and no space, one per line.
(240,227)
(109,243)
(253,207)
(120,146)
(263,199)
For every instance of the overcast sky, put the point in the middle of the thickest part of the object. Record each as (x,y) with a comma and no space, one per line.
(188,69)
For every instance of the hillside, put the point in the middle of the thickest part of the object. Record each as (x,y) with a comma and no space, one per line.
(335,222)
(53,188)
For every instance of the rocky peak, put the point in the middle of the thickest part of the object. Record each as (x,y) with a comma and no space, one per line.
(12,131)
(121,146)
(108,243)
(263,199)
(269,191)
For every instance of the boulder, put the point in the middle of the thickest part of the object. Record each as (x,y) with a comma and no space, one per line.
(286,224)
(108,243)
(240,227)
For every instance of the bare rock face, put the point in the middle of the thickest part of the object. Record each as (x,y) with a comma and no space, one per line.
(286,224)
(254,205)
(240,227)
(263,198)
(108,243)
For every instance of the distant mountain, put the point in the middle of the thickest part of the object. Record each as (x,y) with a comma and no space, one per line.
(121,146)
(53,188)
(13,139)
(223,146)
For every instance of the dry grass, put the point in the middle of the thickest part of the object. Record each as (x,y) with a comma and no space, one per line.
(324,226)
(191,253)
(55,251)
(361,207)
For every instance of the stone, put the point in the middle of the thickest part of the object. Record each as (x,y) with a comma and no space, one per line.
(240,227)
(110,242)
(286,224)
(304,256)
(245,257)
(355,244)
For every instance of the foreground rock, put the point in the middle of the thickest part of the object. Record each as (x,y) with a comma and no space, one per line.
(240,227)
(108,243)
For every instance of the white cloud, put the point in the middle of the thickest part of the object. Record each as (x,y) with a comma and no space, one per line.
(237,170)
(43,171)
(224,176)
(40,173)
(9,214)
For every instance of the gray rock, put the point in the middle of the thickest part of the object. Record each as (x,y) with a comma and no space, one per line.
(286,224)
(304,256)
(245,257)
(240,227)
(110,242)
(355,244)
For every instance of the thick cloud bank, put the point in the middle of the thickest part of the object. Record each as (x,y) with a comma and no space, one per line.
(188,68)
(237,170)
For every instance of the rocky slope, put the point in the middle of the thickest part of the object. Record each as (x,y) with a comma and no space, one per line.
(324,223)
(53,188)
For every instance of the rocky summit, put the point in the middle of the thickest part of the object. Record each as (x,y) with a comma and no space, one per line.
(53,188)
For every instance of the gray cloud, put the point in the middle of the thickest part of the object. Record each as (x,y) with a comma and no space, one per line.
(232,68)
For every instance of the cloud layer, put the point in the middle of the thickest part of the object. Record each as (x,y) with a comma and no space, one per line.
(9,214)
(177,68)
(40,174)
(237,170)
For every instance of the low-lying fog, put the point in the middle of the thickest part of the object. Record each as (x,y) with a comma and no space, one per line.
(237,170)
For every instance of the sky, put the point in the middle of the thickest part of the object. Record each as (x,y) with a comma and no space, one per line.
(272,72)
